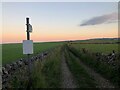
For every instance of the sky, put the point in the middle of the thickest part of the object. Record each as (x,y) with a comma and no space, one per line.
(59,21)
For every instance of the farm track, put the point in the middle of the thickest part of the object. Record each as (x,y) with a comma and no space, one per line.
(67,78)
(101,82)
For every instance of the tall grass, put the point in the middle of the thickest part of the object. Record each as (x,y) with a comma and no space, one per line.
(104,69)
(84,80)
(47,74)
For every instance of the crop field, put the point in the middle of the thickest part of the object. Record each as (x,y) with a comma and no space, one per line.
(98,41)
(103,48)
(12,52)
(64,66)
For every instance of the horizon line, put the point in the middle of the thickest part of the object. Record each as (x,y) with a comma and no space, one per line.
(58,40)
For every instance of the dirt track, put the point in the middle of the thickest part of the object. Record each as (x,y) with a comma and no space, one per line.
(67,78)
(69,81)
(102,82)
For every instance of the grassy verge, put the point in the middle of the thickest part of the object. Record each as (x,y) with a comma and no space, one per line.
(47,74)
(82,77)
(104,69)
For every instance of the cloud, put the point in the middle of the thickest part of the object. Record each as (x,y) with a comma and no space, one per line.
(108,18)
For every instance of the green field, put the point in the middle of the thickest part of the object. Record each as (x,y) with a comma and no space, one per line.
(104,48)
(104,69)
(98,41)
(12,52)
(47,72)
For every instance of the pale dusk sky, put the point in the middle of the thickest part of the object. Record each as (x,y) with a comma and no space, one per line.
(57,21)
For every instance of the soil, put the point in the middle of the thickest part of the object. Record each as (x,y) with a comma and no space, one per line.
(67,77)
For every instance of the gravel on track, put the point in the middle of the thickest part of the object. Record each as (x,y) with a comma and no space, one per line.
(67,78)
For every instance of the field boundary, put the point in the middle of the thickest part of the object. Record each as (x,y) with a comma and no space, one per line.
(9,70)
(98,67)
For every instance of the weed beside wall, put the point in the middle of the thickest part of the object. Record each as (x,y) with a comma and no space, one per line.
(82,77)
(103,68)
(46,74)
